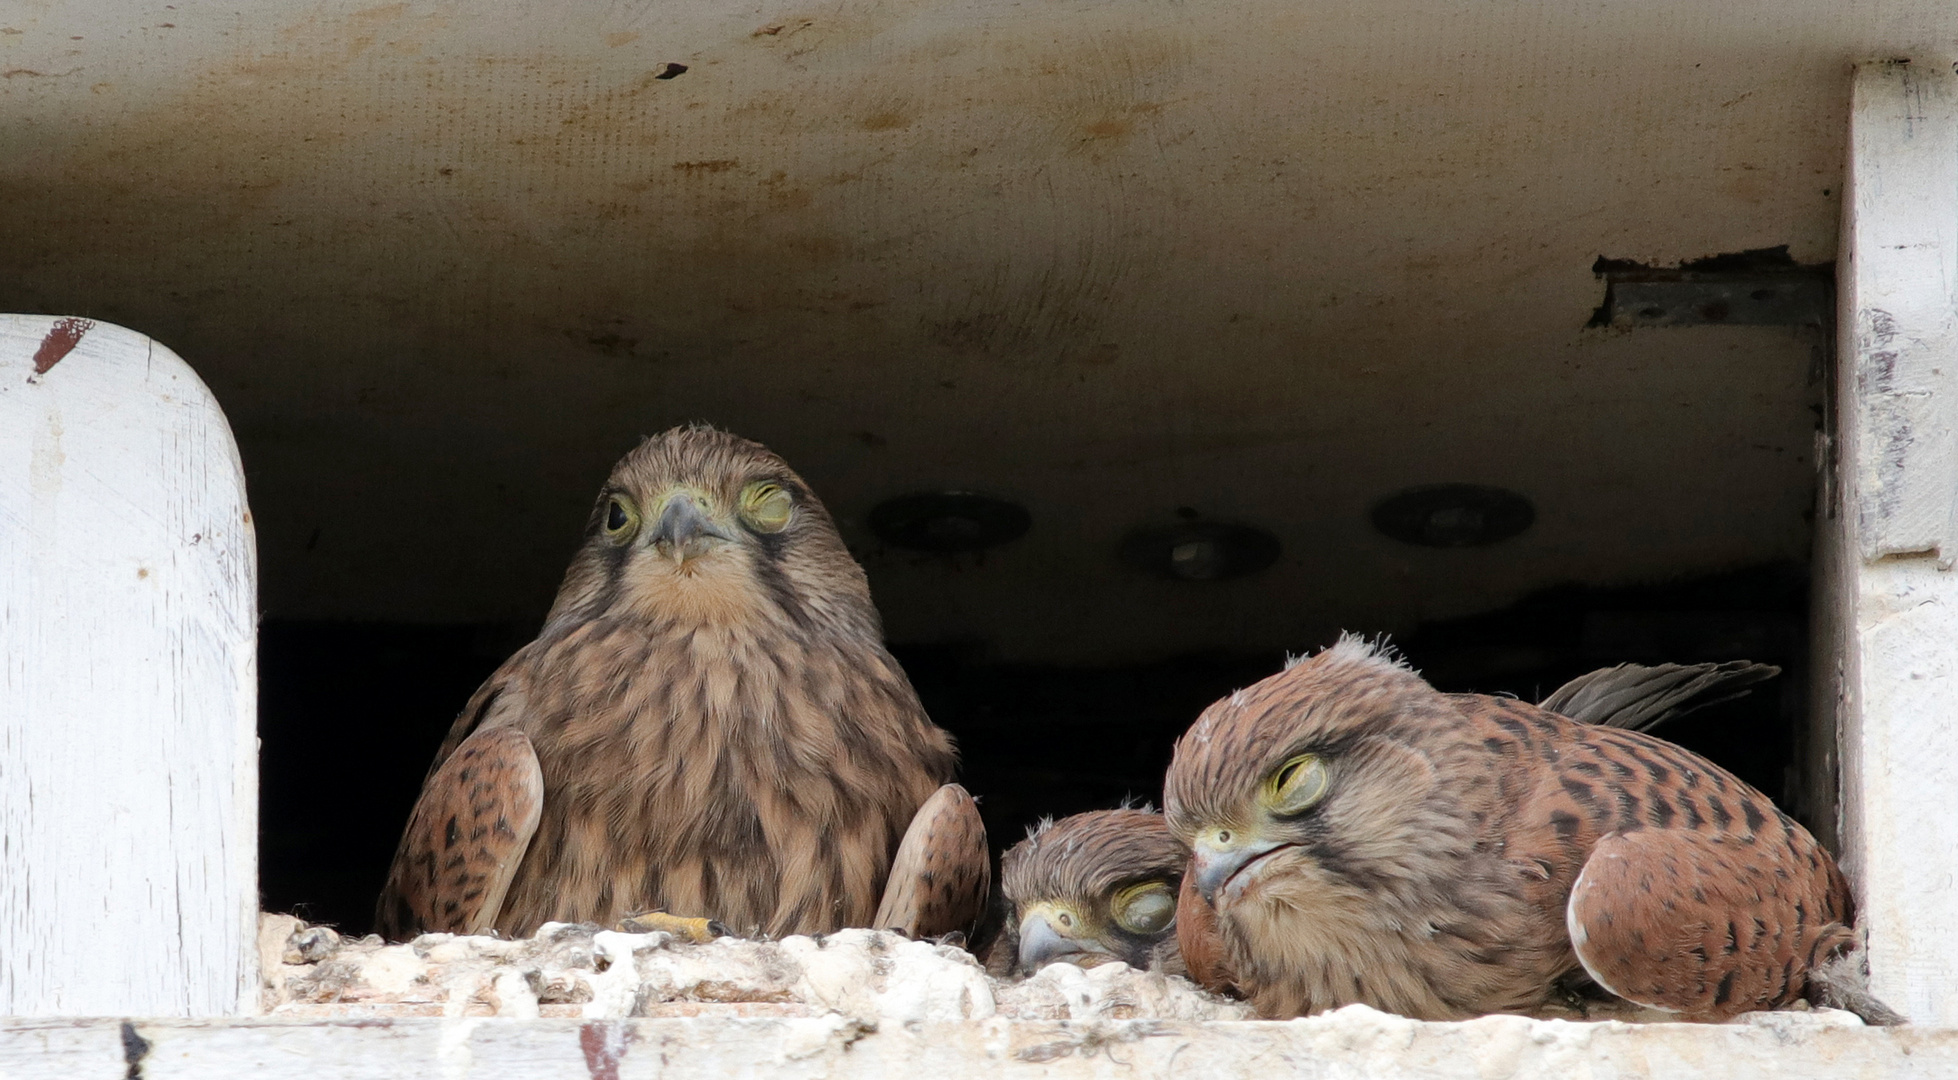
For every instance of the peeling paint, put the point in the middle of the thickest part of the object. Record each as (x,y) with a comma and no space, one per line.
(604,1046)
(135,1049)
(61,340)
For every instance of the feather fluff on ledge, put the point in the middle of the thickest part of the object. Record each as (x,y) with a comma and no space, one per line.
(582,971)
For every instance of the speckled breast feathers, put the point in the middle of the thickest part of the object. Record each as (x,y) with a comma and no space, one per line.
(716,726)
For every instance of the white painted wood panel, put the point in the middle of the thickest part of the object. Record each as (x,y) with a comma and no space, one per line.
(1900,263)
(1351,1043)
(1888,602)
(128,682)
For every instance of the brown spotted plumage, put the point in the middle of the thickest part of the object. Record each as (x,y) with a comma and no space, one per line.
(1366,838)
(1629,695)
(1089,889)
(1726,929)
(943,871)
(709,719)
(472,827)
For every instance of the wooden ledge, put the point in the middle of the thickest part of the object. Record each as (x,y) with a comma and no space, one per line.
(1354,1042)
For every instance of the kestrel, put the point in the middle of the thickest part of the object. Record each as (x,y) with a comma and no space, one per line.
(1092,888)
(1088,888)
(1366,838)
(708,725)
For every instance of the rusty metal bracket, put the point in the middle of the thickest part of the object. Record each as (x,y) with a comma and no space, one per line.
(1762,287)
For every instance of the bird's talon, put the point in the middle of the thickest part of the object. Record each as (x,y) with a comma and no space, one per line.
(691,931)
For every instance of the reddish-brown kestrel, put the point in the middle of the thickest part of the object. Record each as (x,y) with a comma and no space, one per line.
(708,725)
(1366,838)
(1088,888)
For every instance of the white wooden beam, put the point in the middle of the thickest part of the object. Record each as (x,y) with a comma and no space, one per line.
(128,682)
(1355,1042)
(1888,601)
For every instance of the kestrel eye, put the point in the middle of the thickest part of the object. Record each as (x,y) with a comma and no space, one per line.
(1297,785)
(619,517)
(1147,908)
(767,506)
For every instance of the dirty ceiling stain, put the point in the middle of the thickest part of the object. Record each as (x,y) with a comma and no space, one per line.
(1272,262)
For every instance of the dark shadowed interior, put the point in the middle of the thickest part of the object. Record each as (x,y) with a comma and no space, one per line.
(352,712)
(1262,273)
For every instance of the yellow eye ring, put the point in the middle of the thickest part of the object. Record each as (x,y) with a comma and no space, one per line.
(767,506)
(621,518)
(1148,907)
(1296,785)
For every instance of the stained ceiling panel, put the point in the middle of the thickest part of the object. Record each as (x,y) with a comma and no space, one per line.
(1120,262)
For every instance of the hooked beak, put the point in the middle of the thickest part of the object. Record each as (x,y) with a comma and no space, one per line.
(1216,861)
(1042,943)
(684,531)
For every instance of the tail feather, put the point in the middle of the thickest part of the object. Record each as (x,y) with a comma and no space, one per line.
(1641,697)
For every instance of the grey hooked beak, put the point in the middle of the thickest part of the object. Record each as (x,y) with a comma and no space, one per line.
(684,530)
(1042,944)
(1216,860)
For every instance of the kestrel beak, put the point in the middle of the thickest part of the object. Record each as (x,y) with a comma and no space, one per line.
(1220,853)
(684,531)
(1047,934)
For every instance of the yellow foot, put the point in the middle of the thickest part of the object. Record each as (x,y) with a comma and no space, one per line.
(691,931)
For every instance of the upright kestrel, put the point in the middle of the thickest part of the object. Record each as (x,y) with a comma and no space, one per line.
(708,725)
(1366,838)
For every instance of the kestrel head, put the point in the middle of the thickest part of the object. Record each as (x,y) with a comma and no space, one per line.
(1095,887)
(1315,789)
(702,526)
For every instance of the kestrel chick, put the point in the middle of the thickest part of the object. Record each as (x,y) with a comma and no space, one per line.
(1366,838)
(1092,888)
(708,724)
(1062,880)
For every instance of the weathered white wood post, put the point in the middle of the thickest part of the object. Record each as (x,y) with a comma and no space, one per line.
(1888,537)
(128,682)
